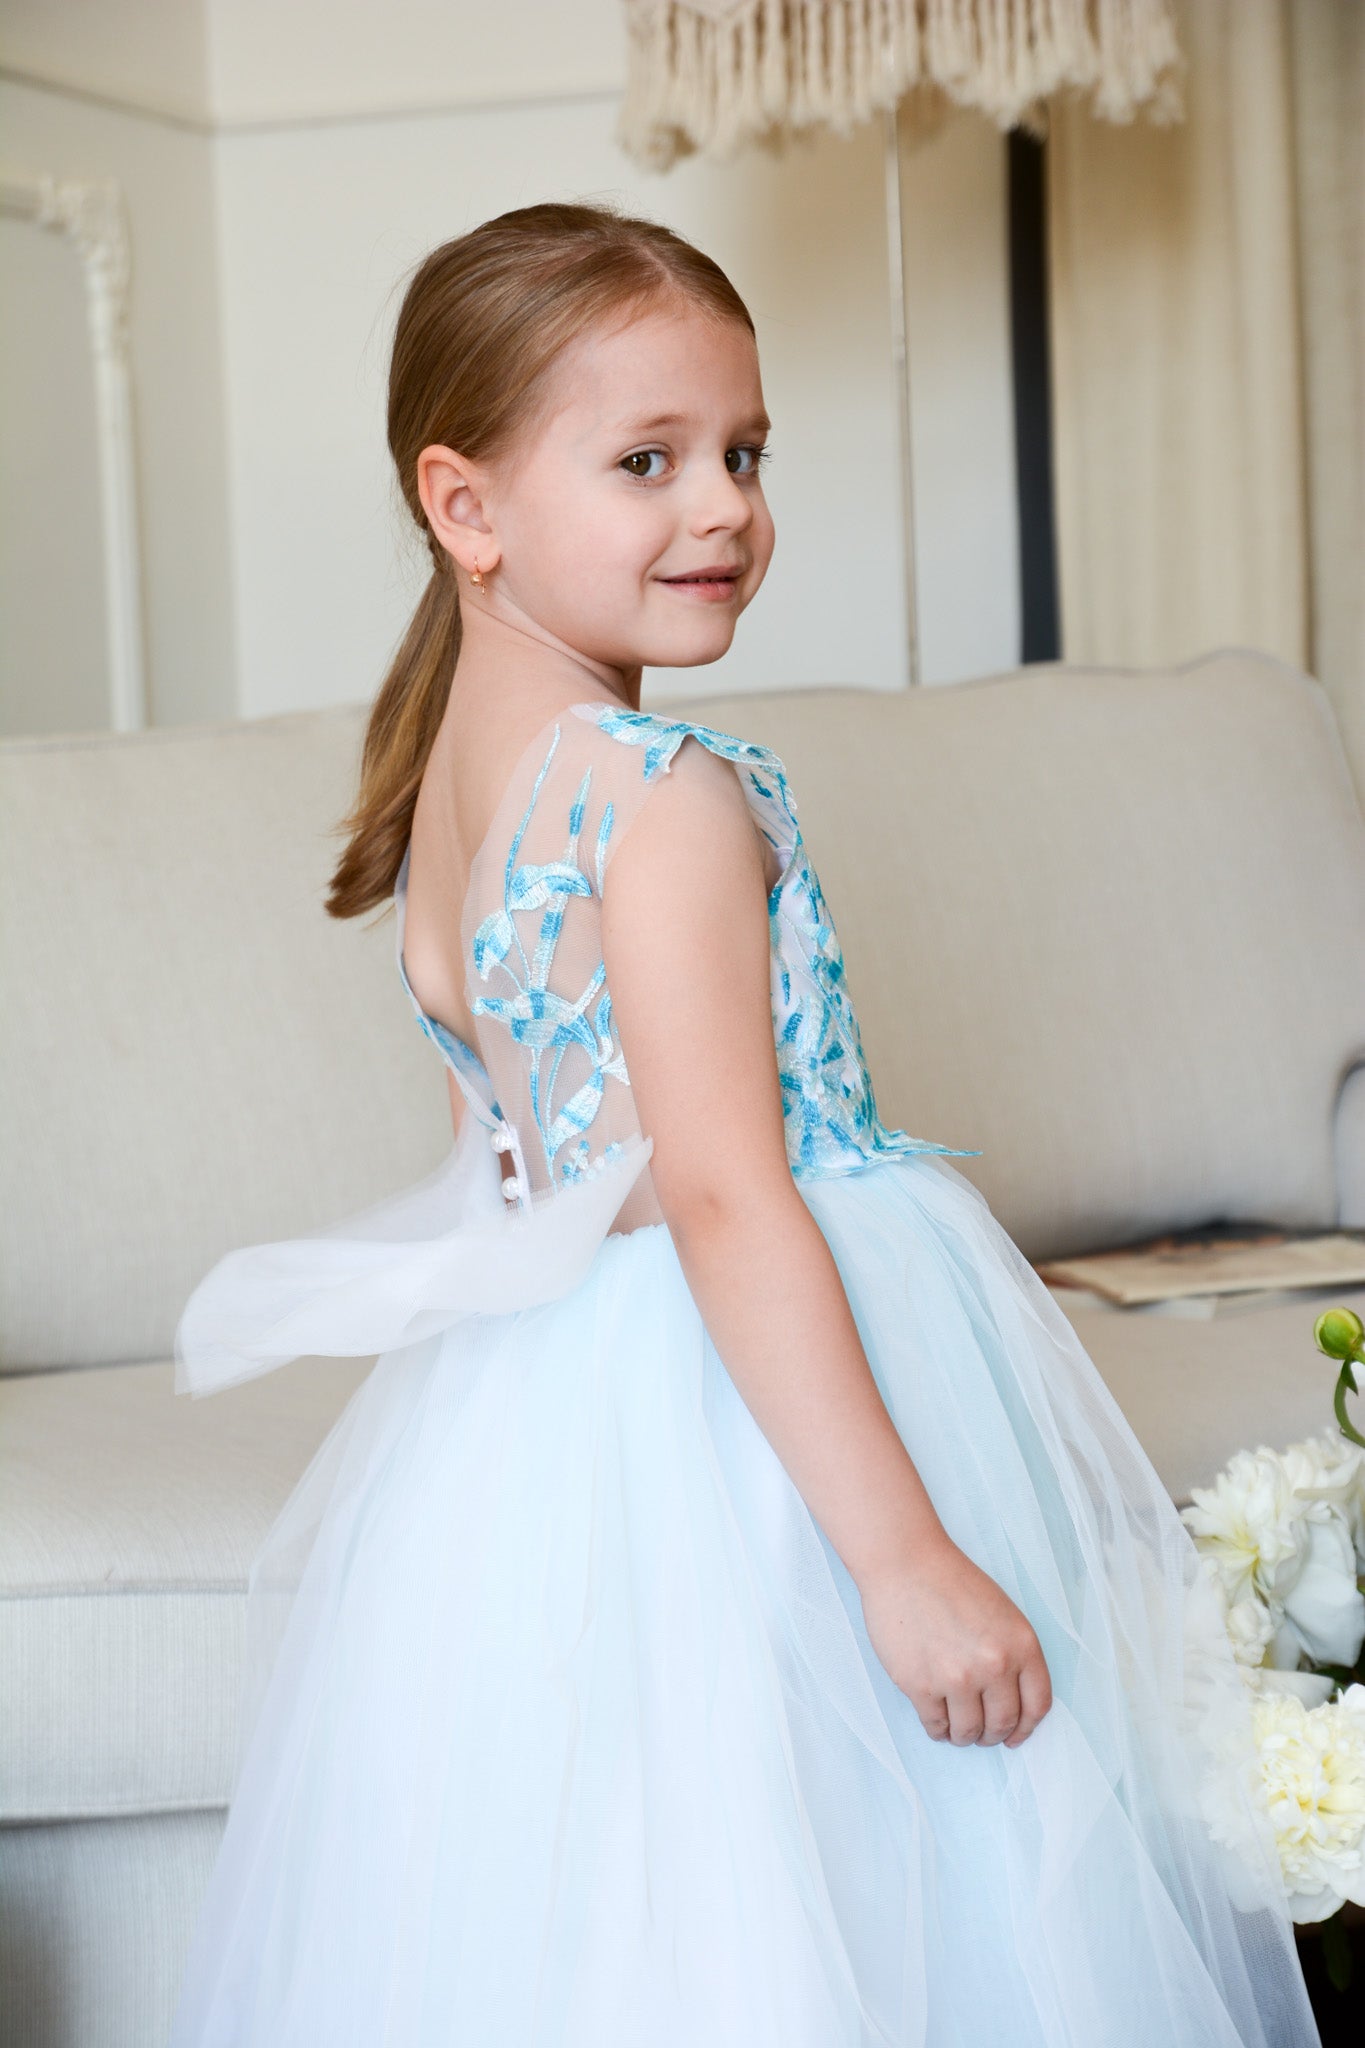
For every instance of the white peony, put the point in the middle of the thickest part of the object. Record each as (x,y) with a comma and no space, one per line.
(1324,1606)
(1313,1768)
(1312,1687)
(1251,1627)
(1330,1467)
(1248,1523)
(1249,1624)
(1277,1527)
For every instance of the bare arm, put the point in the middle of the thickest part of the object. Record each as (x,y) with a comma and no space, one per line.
(686,944)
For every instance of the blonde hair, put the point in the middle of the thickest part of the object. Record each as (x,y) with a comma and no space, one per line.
(481,323)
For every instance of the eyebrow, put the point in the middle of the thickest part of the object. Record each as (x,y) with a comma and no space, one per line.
(759,424)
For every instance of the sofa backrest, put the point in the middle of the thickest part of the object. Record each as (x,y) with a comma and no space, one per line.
(193,1055)
(1109,927)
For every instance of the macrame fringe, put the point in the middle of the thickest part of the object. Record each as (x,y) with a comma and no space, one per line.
(709,76)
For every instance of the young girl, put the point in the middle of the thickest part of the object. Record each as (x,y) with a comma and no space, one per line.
(732,1613)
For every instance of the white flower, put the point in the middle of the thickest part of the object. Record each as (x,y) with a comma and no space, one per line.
(1248,1523)
(1323,1606)
(1312,1687)
(1251,1627)
(1313,1768)
(1276,1528)
(1330,1467)
(1248,1623)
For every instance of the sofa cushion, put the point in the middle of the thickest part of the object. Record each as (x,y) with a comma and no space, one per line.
(97,1924)
(1107,925)
(1196,1391)
(129,1518)
(193,1055)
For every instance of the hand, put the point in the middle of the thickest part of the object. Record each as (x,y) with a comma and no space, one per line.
(957,1646)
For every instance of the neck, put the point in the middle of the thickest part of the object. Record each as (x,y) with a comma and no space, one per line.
(507,654)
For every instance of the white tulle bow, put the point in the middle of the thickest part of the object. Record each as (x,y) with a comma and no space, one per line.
(399,1271)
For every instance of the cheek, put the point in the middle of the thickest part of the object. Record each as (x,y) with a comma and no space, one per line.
(620,533)
(593,562)
(762,535)
(562,554)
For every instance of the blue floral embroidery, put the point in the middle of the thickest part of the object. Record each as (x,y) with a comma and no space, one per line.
(829,1108)
(579,1164)
(538,1018)
(828,1105)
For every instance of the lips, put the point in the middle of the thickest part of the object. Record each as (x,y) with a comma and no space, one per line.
(719,572)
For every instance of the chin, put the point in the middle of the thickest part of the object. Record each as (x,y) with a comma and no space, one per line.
(675,657)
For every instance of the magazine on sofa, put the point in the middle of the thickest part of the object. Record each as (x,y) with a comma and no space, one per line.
(1219,1259)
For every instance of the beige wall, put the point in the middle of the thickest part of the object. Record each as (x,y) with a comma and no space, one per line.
(150,55)
(287,166)
(286,60)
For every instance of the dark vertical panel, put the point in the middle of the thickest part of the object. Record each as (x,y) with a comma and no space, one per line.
(1041,635)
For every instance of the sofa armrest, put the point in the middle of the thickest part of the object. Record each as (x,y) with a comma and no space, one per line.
(1349,1140)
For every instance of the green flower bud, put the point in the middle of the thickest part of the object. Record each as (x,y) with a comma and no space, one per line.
(1339,1332)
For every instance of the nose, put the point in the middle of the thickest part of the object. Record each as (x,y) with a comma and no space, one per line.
(721,501)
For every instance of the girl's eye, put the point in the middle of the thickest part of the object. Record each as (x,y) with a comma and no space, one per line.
(637,465)
(640,455)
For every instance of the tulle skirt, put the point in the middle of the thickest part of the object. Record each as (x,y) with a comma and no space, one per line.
(562,1729)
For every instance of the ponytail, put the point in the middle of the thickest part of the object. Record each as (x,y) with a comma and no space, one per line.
(398,742)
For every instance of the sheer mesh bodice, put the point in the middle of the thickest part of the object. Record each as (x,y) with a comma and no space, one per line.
(547,1077)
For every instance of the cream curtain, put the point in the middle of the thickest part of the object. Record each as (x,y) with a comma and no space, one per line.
(1208,355)
(1327,62)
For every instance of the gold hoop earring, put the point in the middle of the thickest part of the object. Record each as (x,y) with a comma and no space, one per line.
(477,579)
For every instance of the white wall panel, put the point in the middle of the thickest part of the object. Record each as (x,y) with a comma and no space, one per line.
(53,664)
(166,175)
(955,233)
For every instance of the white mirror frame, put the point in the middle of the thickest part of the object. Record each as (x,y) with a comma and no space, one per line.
(91,214)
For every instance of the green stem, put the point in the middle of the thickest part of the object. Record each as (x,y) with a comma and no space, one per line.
(1336,1951)
(1346,1383)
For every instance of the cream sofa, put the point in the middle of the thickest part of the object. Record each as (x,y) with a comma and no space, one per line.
(1108,927)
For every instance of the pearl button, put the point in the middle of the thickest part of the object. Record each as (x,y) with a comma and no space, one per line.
(501,1140)
(512,1187)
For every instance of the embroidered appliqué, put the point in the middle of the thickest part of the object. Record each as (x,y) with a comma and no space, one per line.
(828,1105)
(829,1108)
(547,1023)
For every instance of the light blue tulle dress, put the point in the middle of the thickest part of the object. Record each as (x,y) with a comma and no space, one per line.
(561,1727)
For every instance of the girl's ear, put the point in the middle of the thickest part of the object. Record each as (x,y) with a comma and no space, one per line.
(451,488)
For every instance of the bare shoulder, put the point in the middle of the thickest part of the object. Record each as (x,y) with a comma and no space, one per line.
(693,817)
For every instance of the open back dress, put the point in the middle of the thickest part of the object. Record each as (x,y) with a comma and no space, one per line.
(560,1724)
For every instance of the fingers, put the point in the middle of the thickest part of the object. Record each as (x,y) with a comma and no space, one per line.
(1006,1711)
(933,1714)
(996,1695)
(1002,1709)
(1035,1695)
(967,1716)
